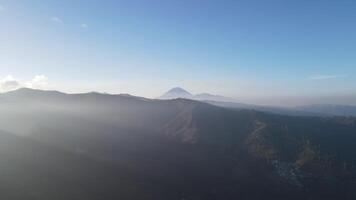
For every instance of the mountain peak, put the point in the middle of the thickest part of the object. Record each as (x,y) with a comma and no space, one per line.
(176,92)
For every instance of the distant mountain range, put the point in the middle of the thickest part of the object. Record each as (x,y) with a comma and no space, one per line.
(307,110)
(178,92)
(99,146)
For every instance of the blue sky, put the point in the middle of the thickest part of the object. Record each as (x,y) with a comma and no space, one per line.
(251,48)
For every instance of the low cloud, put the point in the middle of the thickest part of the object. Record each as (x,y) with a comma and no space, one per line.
(56,19)
(326,77)
(9,83)
(38,82)
(84,26)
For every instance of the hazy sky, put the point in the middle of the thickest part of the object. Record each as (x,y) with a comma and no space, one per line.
(235,48)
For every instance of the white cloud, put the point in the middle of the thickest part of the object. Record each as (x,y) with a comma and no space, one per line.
(38,82)
(325,77)
(85,26)
(57,20)
(9,83)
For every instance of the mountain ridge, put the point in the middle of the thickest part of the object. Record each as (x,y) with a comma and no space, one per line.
(193,149)
(178,92)
(307,110)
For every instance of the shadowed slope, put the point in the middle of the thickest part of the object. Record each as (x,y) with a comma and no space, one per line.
(190,149)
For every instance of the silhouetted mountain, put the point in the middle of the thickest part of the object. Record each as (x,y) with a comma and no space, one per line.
(178,149)
(175,93)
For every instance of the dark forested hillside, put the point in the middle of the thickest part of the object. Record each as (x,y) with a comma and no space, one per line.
(100,146)
(32,170)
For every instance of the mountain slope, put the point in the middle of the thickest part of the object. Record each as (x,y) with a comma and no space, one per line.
(193,150)
(335,110)
(269,109)
(31,170)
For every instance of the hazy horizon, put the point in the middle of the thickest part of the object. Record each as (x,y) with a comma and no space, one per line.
(275,53)
(281,101)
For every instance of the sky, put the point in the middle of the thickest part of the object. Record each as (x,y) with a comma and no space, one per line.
(252,50)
